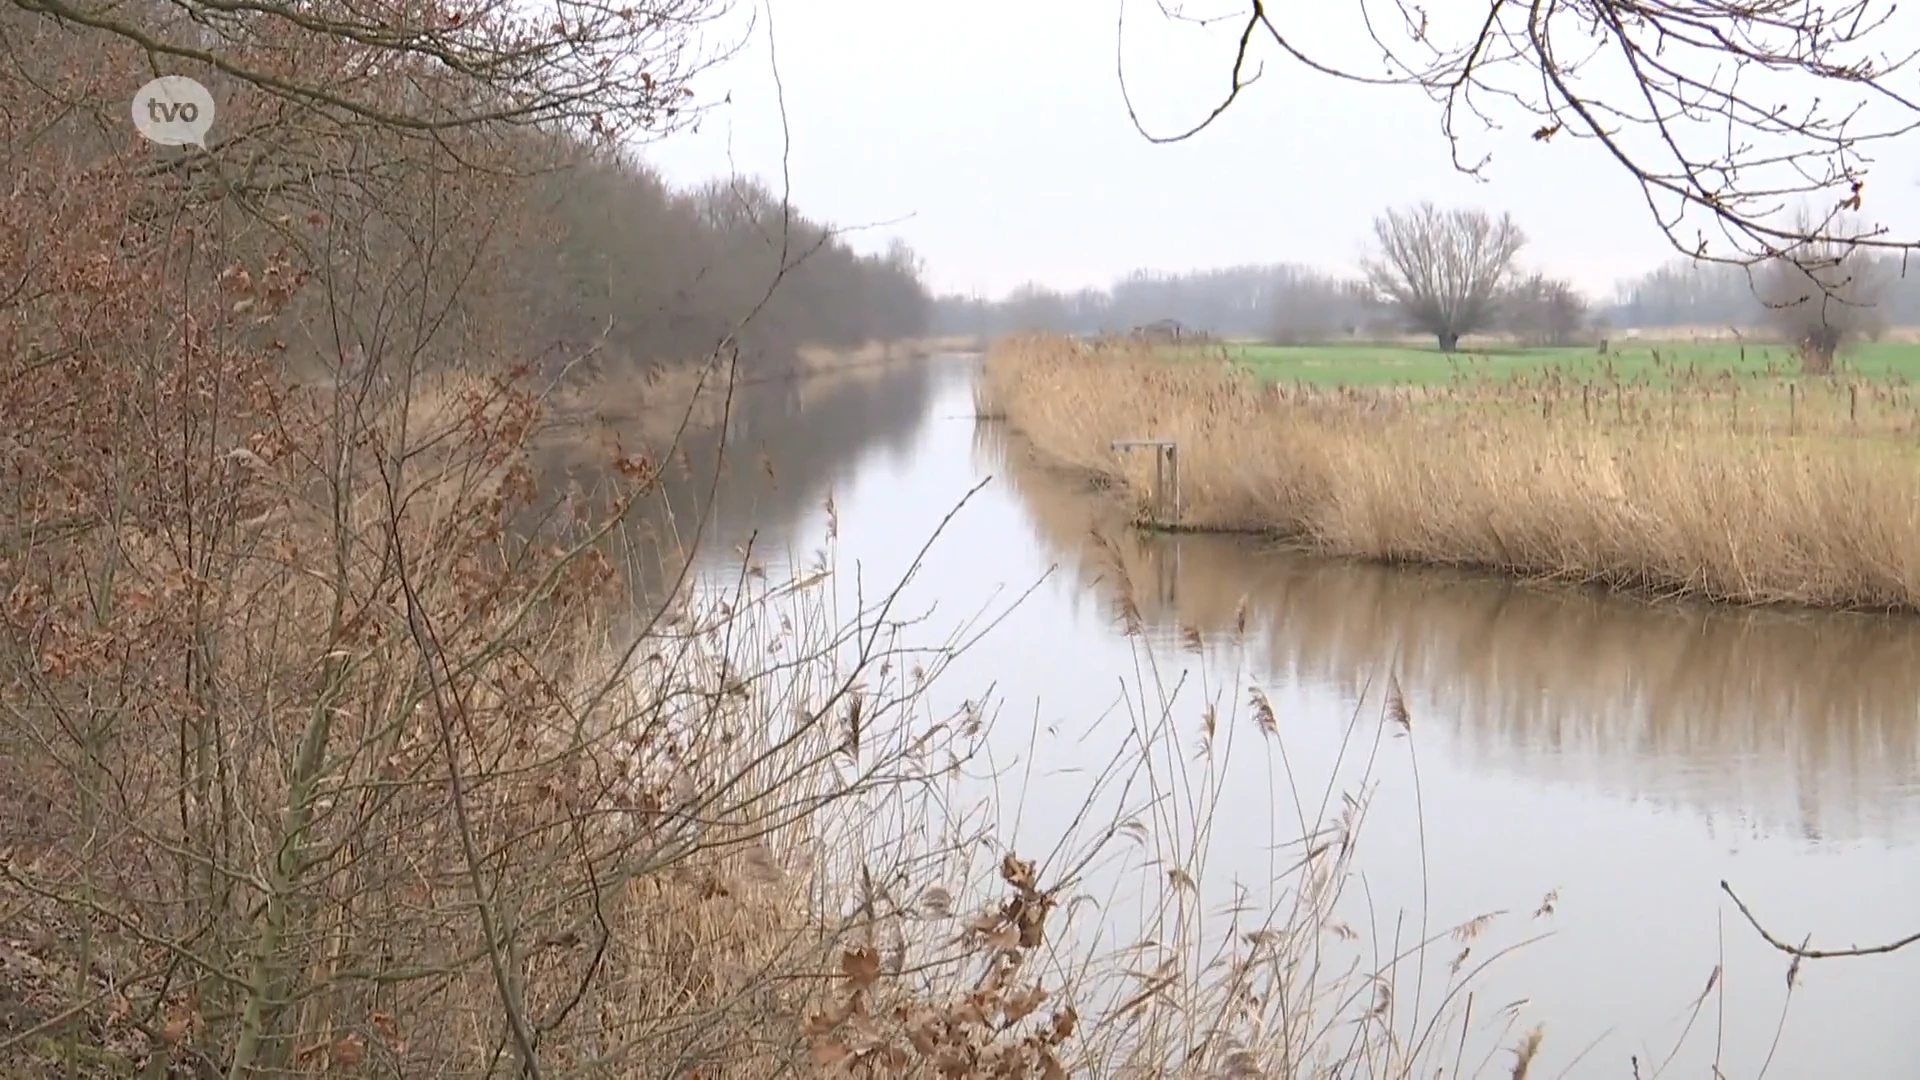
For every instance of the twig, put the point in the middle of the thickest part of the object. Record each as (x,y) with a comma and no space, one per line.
(1804,951)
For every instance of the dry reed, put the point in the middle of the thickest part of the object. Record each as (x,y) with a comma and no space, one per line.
(1822,705)
(1466,477)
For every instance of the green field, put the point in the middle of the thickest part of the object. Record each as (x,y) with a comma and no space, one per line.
(1635,361)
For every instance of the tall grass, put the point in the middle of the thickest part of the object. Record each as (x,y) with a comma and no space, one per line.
(1471,477)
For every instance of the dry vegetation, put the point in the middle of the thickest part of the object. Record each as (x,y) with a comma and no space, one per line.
(370,782)
(1529,672)
(332,740)
(1744,491)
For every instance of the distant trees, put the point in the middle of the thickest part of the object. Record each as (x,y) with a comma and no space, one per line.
(1281,301)
(1541,310)
(1686,292)
(656,275)
(1315,307)
(1444,270)
(1822,295)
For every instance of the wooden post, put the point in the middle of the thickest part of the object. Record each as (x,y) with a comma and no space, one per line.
(1173,467)
(1793,408)
(1853,406)
(1166,476)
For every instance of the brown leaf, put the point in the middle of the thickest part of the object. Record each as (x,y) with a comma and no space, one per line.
(346,1053)
(385,1025)
(925,1035)
(1021,1003)
(861,966)
(1017,872)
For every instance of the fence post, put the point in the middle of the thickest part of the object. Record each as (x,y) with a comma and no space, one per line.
(1166,474)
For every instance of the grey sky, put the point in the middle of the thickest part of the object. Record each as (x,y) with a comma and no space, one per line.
(998,131)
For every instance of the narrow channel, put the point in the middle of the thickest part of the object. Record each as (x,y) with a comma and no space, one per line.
(1592,766)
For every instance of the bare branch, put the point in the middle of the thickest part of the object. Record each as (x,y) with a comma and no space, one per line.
(1726,113)
(1806,951)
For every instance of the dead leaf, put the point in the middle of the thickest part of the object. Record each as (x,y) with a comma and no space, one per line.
(346,1053)
(1021,1003)
(1017,872)
(861,966)
(1064,1023)
(1004,936)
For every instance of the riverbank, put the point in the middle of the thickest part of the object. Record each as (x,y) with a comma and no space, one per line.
(659,403)
(1662,504)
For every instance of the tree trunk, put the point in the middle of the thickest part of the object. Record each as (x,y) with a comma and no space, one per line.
(1816,359)
(1449,340)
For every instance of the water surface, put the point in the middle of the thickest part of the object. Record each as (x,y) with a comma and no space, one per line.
(1623,757)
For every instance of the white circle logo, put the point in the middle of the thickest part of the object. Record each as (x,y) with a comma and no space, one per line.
(173,110)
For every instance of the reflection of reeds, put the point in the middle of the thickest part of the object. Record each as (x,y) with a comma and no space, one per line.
(1826,707)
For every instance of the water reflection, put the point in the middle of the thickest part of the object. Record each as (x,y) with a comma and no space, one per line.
(1804,722)
(1628,755)
(763,478)
(789,444)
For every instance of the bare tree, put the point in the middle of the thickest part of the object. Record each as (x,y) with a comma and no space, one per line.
(1822,295)
(1689,97)
(1444,270)
(1540,310)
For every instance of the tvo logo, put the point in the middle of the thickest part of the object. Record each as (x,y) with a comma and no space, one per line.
(174,110)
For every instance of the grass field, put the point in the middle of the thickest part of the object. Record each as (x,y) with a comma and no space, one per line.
(1653,362)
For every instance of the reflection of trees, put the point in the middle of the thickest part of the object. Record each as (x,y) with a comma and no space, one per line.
(787,445)
(1812,719)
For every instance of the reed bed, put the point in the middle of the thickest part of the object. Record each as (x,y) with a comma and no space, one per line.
(1747,492)
(1822,704)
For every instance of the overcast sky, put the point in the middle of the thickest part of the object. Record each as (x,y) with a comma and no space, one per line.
(993,137)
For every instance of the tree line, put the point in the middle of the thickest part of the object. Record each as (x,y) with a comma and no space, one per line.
(1454,272)
(664,275)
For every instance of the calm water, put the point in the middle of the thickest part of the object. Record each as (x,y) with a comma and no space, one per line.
(1628,757)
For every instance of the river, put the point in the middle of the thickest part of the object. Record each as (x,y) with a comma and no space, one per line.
(1608,759)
